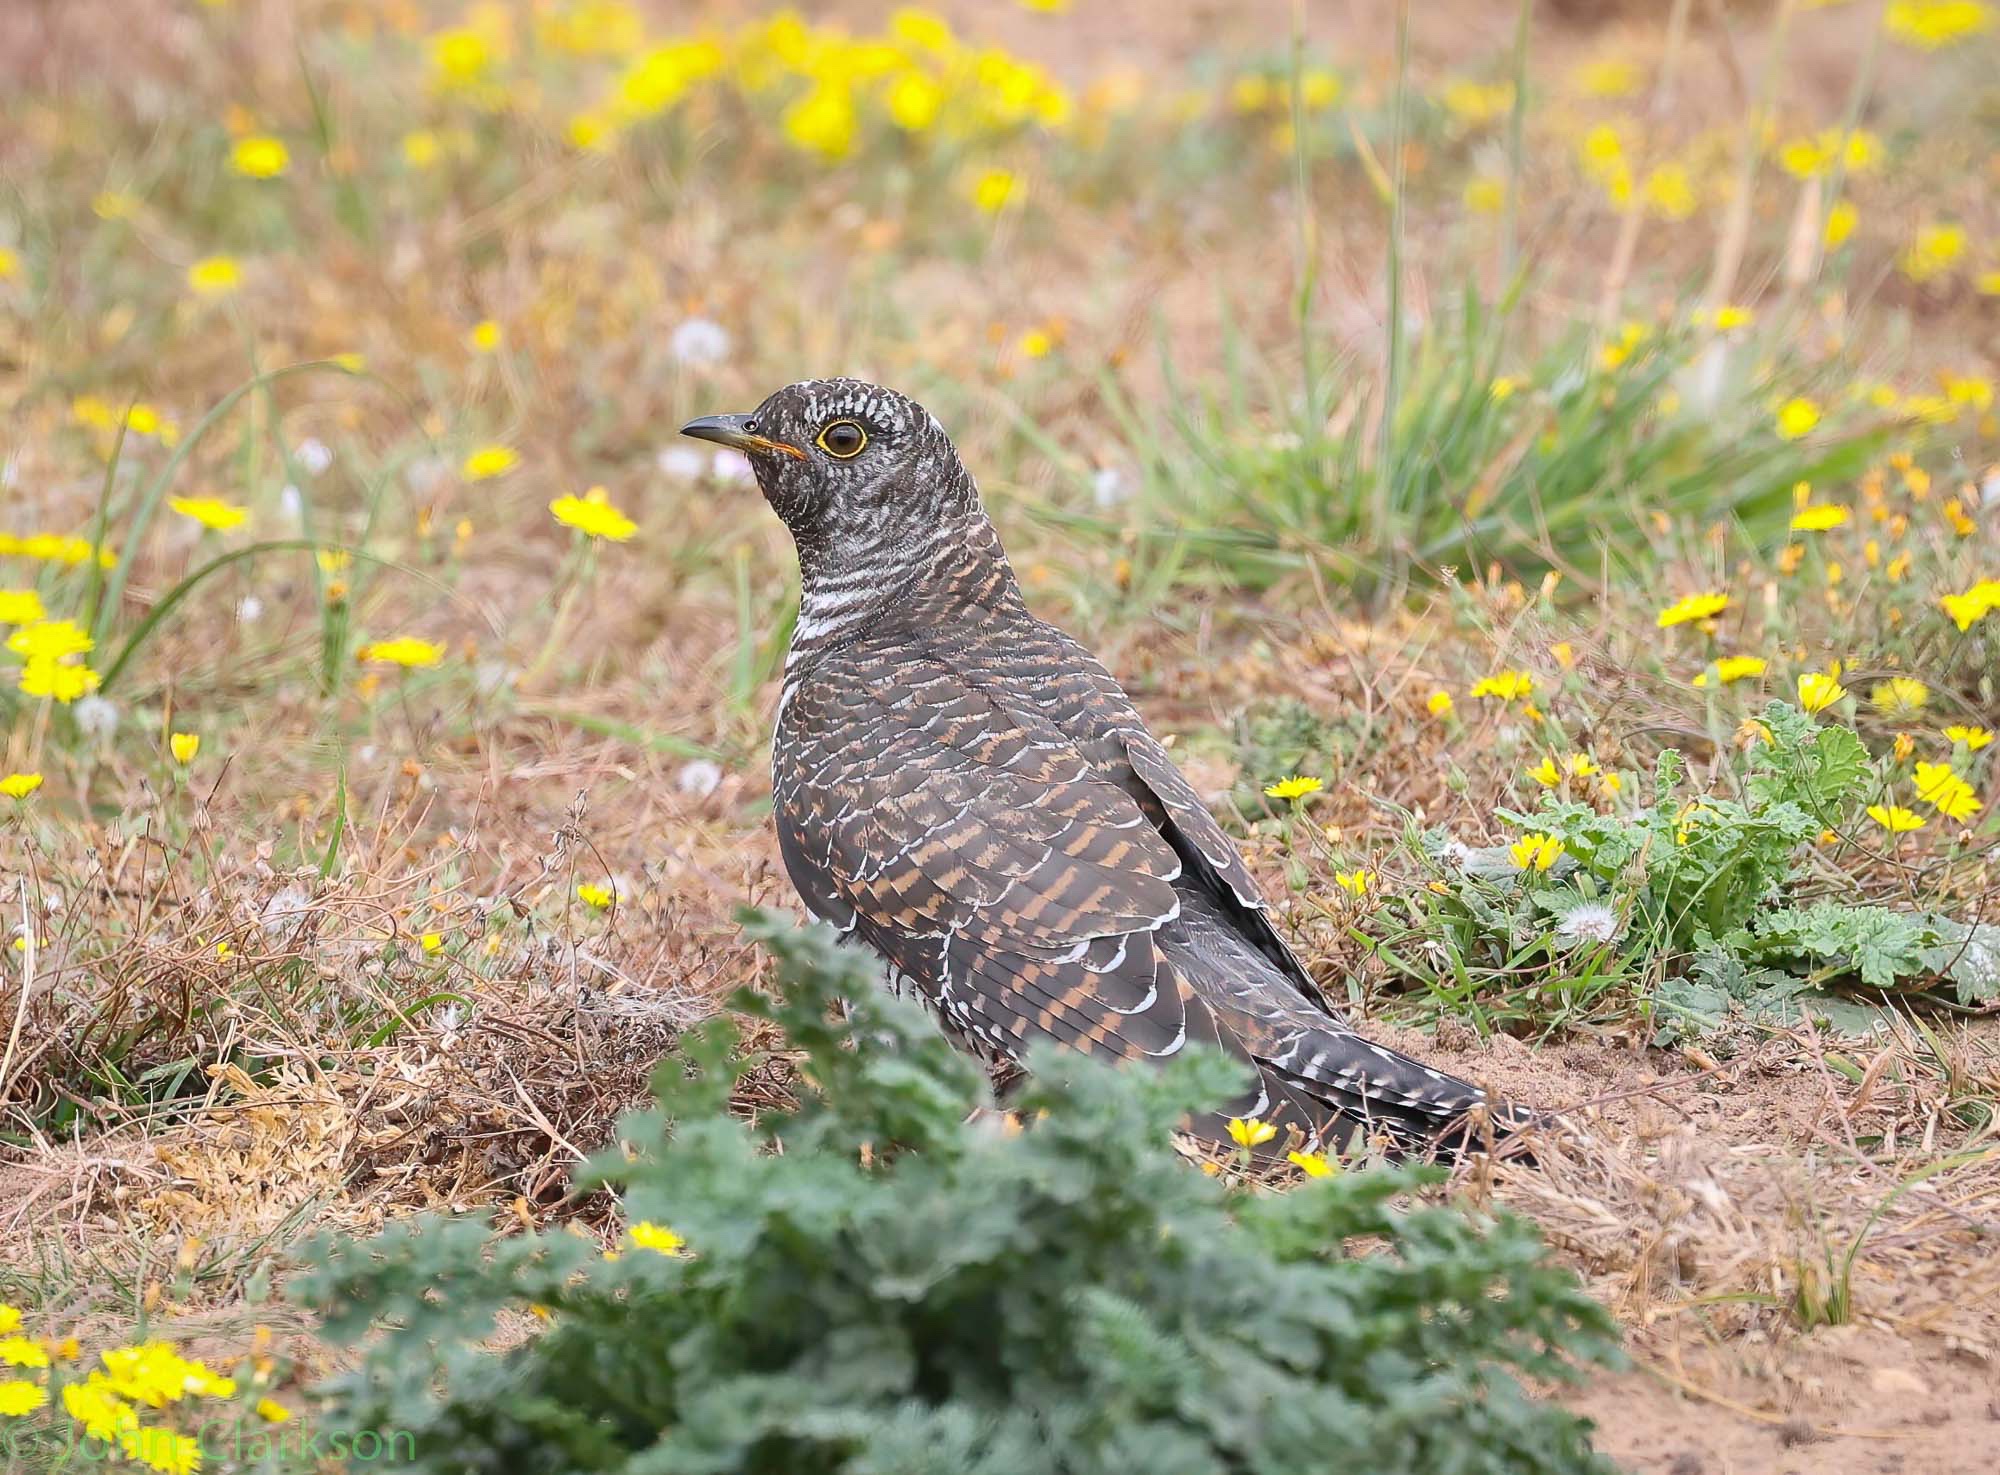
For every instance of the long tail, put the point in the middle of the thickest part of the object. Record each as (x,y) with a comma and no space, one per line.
(1363,1088)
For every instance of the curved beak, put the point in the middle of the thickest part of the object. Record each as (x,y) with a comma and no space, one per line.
(734,431)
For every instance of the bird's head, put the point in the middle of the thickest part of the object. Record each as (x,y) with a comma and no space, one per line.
(857,472)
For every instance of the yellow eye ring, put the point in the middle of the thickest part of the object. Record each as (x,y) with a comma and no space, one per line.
(844,439)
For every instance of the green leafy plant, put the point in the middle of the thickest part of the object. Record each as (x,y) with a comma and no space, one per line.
(1705,895)
(911,1285)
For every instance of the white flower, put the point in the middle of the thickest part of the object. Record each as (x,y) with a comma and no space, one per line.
(248,609)
(699,342)
(1589,921)
(682,463)
(314,455)
(1704,382)
(425,471)
(290,502)
(285,912)
(1109,486)
(493,676)
(731,466)
(96,717)
(699,778)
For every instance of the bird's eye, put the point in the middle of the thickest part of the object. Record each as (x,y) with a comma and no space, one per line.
(843,438)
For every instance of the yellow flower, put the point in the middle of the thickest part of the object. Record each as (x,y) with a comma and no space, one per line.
(1609,77)
(823,121)
(1929,25)
(18,1351)
(1819,518)
(1969,389)
(1354,883)
(1734,668)
(460,57)
(1693,607)
(1035,344)
(431,942)
(1505,686)
(10,262)
(1947,793)
(260,156)
(1502,389)
(421,148)
(1312,1164)
(591,131)
(151,1373)
(21,607)
(1895,819)
(488,462)
(1899,696)
(184,745)
(1967,609)
(210,512)
(1796,418)
(272,1411)
(593,515)
(162,1449)
(1476,103)
(597,897)
(10,1318)
(1250,1132)
(1485,195)
(657,1238)
(18,1397)
(1933,252)
(1546,773)
(1669,192)
(50,640)
(1250,93)
(94,1405)
(1974,738)
(405,650)
(1904,747)
(1439,704)
(214,276)
(921,30)
(1840,223)
(914,101)
(1295,787)
(60,681)
(994,190)
(485,336)
(1536,852)
(20,785)
(1728,317)
(1818,691)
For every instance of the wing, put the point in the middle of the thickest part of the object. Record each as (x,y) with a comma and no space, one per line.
(1209,853)
(973,846)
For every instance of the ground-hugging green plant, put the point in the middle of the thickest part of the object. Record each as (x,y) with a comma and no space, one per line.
(1708,895)
(885,1280)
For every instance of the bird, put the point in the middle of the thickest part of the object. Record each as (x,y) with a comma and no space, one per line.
(965,789)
